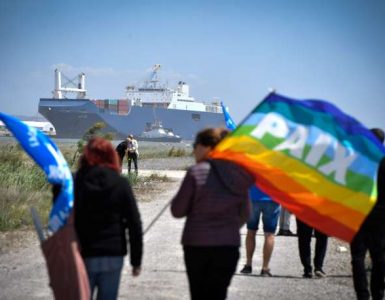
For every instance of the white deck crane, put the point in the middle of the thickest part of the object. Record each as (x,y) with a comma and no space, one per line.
(61,90)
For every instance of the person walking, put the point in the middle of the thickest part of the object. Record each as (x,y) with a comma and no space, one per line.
(371,236)
(104,208)
(262,206)
(284,223)
(304,233)
(214,199)
(132,153)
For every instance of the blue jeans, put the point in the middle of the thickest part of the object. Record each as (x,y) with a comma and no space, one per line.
(104,274)
(270,214)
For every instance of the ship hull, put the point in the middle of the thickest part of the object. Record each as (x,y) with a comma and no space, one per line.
(73,117)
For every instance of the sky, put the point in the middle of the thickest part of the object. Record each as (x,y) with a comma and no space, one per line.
(232,51)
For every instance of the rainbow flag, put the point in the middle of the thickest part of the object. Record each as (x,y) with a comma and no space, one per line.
(310,157)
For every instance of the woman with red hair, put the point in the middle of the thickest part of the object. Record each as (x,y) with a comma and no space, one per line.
(104,208)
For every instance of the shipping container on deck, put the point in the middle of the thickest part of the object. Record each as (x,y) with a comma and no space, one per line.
(122,107)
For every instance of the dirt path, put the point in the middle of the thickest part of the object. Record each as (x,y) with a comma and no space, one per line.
(23,274)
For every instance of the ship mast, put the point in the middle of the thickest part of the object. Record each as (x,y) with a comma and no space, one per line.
(61,90)
(153,78)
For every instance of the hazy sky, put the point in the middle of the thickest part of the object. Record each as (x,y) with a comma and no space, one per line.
(228,50)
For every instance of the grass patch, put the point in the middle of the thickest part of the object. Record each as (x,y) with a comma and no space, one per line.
(164,152)
(137,180)
(23,184)
(147,187)
(178,152)
(15,207)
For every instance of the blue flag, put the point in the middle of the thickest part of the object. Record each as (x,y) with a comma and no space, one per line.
(230,124)
(48,156)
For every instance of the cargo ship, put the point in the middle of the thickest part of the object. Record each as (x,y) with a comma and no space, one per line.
(144,105)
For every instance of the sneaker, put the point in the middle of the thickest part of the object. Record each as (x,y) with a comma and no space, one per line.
(289,233)
(286,232)
(307,275)
(266,273)
(246,269)
(319,273)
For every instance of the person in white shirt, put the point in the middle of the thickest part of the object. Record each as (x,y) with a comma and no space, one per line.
(132,153)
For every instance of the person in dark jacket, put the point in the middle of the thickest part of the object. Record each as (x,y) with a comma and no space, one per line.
(371,236)
(214,199)
(104,208)
(121,149)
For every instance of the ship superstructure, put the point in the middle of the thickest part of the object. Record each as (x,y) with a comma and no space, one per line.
(151,102)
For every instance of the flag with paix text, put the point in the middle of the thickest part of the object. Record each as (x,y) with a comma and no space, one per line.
(312,158)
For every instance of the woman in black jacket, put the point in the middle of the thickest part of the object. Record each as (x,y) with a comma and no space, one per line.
(104,208)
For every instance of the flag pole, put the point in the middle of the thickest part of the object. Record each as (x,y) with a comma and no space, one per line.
(37,223)
(157,217)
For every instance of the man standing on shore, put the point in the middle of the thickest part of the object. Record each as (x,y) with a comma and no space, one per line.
(263,207)
(132,153)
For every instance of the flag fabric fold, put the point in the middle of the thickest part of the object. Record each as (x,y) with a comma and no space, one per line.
(309,156)
(46,154)
(230,124)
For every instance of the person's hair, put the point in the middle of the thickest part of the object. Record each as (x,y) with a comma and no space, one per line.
(99,152)
(210,137)
(379,133)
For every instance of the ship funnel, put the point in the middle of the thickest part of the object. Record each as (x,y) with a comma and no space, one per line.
(183,88)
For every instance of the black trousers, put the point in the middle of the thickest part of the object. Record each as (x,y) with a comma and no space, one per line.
(372,239)
(304,233)
(209,270)
(132,157)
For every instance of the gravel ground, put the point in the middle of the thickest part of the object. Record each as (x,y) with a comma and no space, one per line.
(23,274)
(169,163)
(164,274)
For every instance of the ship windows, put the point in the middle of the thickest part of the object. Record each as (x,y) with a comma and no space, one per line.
(196,117)
(185,100)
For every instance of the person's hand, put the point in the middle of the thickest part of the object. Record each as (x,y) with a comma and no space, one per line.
(136,271)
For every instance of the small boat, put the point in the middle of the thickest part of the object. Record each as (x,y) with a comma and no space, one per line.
(154,132)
